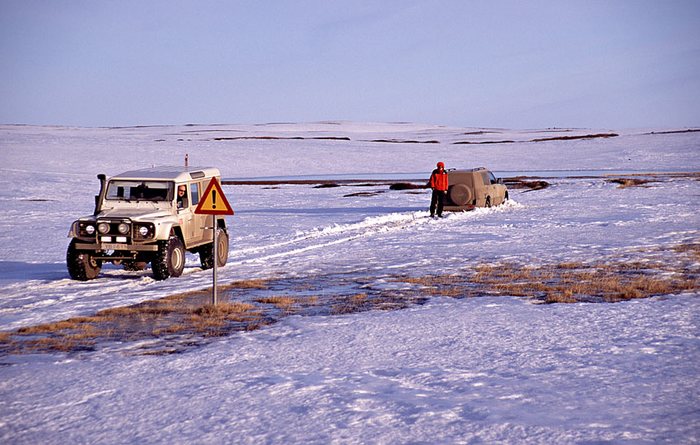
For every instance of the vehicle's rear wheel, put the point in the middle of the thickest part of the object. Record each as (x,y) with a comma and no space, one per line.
(169,260)
(206,253)
(81,265)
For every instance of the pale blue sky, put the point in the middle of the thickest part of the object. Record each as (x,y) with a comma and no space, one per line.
(515,64)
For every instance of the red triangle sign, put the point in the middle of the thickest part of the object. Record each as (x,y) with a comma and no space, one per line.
(214,201)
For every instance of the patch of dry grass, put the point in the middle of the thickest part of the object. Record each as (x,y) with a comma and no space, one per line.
(181,320)
(691,249)
(212,319)
(247,284)
(284,303)
(562,283)
(630,182)
(234,308)
(48,328)
(67,343)
(351,304)
(521,183)
(434,280)
(145,320)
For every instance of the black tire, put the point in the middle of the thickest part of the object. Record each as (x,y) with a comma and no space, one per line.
(134,266)
(82,265)
(206,253)
(506,197)
(460,194)
(488,202)
(169,260)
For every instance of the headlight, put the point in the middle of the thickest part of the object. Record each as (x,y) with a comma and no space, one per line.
(103,228)
(144,231)
(90,229)
(123,228)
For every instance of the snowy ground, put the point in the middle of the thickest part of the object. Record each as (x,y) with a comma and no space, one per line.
(451,371)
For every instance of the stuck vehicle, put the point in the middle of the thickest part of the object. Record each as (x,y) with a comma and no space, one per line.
(147,216)
(471,188)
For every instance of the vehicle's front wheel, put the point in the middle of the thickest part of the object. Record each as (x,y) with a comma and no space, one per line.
(82,266)
(488,202)
(206,253)
(169,260)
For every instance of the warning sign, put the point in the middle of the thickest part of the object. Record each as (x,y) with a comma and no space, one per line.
(214,201)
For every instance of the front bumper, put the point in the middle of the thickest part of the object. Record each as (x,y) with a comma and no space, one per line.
(103,247)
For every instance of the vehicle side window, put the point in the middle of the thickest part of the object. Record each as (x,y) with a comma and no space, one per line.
(485,176)
(194,191)
(492,178)
(182,196)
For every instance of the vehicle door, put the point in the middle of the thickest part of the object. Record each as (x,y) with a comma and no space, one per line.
(482,186)
(492,190)
(185,212)
(202,235)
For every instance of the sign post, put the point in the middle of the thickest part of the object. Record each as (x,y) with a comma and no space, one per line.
(215,252)
(214,203)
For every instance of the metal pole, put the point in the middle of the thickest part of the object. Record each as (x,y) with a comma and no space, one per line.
(216,259)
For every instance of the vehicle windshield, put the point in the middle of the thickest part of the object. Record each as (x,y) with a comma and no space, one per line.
(140,190)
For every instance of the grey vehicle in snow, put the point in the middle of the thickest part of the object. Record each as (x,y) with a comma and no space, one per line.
(147,216)
(476,187)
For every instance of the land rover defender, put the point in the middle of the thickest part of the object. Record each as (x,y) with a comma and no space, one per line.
(140,218)
(476,187)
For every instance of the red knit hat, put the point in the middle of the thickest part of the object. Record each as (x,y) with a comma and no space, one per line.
(440,164)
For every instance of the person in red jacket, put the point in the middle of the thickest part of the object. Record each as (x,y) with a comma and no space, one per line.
(438,182)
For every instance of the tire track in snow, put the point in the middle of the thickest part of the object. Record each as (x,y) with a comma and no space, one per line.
(318,238)
(340,233)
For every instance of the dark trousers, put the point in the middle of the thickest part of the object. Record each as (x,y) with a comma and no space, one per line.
(437,200)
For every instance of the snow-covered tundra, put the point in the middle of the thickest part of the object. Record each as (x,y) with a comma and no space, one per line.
(494,369)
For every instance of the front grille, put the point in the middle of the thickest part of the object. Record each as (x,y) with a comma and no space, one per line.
(113,230)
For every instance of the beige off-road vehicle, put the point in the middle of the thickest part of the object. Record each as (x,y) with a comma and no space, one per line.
(472,188)
(141,218)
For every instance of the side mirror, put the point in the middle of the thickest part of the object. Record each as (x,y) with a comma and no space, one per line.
(499,180)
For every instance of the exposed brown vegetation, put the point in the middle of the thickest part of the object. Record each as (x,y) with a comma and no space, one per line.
(292,138)
(562,283)
(404,141)
(363,194)
(689,130)
(152,319)
(406,186)
(482,142)
(629,182)
(284,303)
(247,284)
(351,304)
(519,183)
(691,249)
(211,320)
(568,138)
(180,321)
